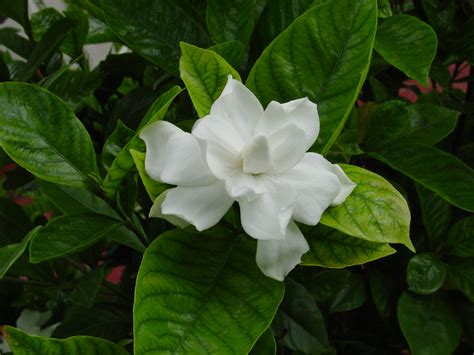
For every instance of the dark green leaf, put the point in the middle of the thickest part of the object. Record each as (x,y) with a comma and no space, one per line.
(70,234)
(86,288)
(385,9)
(152,187)
(435,169)
(333,249)
(383,291)
(16,43)
(461,273)
(41,133)
(23,344)
(265,345)
(351,296)
(202,293)
(10,253)
(407,43)
(302,322)
(328,283)
(154,28)
(115,143)
(436,214)
(429,324)
(323,55)
(42,20)
(425,273)
(18,11)
(205,74)
(14,222)
(231,51)
(460,239)
(374,211)
(229,20)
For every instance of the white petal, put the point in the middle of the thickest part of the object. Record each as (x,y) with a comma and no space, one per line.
(174,156)
(316,186)
(219,130)
(202,206)
(347,185)
(155,211)
(256,155)
(156,137)
(239,105)
(287,147)
(222,162)
(276,258)
(267,215)
(242,186)
(302,113)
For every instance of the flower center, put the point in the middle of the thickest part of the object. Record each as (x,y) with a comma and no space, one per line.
(255,156)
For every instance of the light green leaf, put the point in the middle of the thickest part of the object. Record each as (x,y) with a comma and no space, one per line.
(201,293)
(460,240)
(323,55)
(435,169)
(229,20)
(205,74)
(408,44)
(123,162)
(41,133)
(374,211)
(333,249)
(425,273)
(70,234)
(10,253)
(152,187)
(429,324)
(300,317)
(24,344)
(461,273)
(153,29)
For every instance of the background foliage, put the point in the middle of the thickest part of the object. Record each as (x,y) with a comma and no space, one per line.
(394,87)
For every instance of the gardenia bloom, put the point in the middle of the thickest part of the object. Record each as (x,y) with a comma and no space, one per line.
(241,152)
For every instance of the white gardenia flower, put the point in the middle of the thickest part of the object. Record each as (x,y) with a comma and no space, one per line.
(241,152)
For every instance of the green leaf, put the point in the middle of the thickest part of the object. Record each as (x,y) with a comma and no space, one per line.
(154,29)
(14,222)
(383,290)
(460,239)
(408,44)
(232,51)
(41,133)
(205,74)
(265,345)
(49,43)
(86,288)
(461,273)
(152,187)
(351,296)
(70,234)
(435,169)
(425,273)
(123,163)
(229,20)
(115,143)
(323,55)
(24,344)
(429,324)
(10,253)
(333,249)
(328,283)
(300,317)
(396,122)
(72,200)
(385,9)
(374,211)
(200,293)
(16,43)
(436,214)
(17,11)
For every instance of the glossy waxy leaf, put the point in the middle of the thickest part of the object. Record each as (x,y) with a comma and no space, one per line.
(374,211)
(323,55)
(154,28)
(435,169)
(205,74)
(123,162)
(11,252)
(385,9)
(425,273)
(115,143)
(460,239)
(333,249)
(230,20)
(232,51)
(407,43)
(70,234)
(200,293)
(300,317)
(41,133)
(152,187)
(23,344)
(461,273)
(428,323)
